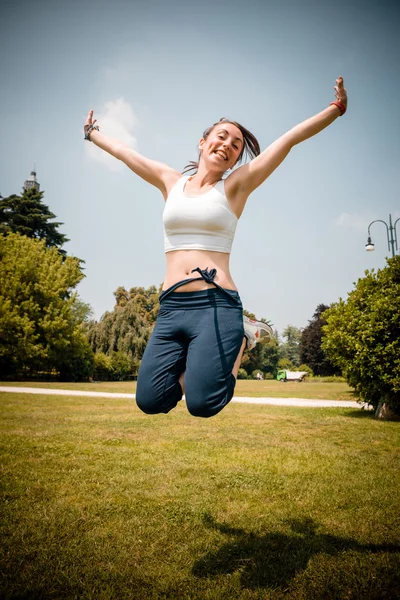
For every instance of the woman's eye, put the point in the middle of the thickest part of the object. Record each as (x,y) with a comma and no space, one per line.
(235,147)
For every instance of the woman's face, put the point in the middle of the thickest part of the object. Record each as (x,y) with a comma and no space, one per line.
(222,146)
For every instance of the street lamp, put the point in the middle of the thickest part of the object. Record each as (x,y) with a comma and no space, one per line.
(390,232)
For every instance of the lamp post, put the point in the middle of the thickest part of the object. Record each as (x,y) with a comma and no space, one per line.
(390,232)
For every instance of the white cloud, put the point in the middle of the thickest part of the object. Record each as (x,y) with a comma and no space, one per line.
(355,220)
(361,221)
(117,120)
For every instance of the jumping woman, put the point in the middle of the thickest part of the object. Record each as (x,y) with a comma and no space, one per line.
(200,333)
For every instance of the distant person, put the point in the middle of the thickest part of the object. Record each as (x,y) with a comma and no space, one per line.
(200,333)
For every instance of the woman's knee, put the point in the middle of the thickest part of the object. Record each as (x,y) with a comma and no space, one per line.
(200,409)
(154,398)
(148,404)
(207,403)
(147,398)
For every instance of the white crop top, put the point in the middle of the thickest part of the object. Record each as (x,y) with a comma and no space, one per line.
(203,222)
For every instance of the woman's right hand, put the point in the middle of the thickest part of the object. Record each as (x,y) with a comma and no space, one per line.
(89,121)
(340,91)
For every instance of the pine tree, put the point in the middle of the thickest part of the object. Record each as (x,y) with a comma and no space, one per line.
(28,215)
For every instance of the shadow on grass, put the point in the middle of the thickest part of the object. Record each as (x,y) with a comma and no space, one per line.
(273,559)
(361,414)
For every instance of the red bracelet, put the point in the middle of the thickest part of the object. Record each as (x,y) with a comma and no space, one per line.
(340,106)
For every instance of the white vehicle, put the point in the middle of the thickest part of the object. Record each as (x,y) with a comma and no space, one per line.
(284,375)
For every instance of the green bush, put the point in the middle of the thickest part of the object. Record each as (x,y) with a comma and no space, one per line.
(328,379)
(102,369)
(121,365)
(77,363)
(242,374)
(269,376)
(117,367)
(362,336)
(307,369)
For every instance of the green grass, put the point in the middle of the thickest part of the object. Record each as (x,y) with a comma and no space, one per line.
(313,389)
(100,501)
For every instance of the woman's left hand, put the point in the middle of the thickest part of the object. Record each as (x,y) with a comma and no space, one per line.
(340,91)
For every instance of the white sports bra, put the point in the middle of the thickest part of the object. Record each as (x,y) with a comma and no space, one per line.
(203,222)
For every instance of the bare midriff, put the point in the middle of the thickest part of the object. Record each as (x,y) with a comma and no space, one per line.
(180,263)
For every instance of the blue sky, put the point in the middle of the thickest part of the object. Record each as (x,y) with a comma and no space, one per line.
(157,74)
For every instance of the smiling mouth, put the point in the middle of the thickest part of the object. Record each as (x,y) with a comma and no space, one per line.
(221,154)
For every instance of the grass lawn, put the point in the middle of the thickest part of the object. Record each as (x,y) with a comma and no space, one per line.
(100,501)
(313,389)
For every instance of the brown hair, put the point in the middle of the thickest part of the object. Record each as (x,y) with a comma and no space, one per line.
(251,147)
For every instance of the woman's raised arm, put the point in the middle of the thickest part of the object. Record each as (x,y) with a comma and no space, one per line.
(158,174)
(247,178)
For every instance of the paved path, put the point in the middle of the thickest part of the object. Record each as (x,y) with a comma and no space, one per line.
(270,401)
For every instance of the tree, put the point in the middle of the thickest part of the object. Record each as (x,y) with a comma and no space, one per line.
(121,366)
(362,336)
(28,215)
(269,357)
(311,352)
(290,348)
(40,314)
(128,327)
(102,367)
(77,362)
(286,363)
(264,357)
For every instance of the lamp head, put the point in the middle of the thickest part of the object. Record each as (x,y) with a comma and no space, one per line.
(369,246)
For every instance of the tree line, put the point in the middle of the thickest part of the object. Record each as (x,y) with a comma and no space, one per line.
(45,328)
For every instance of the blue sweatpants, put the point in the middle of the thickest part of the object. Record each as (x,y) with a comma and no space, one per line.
(199,333)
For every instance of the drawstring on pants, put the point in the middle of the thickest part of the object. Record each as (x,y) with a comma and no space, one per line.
(205,275)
